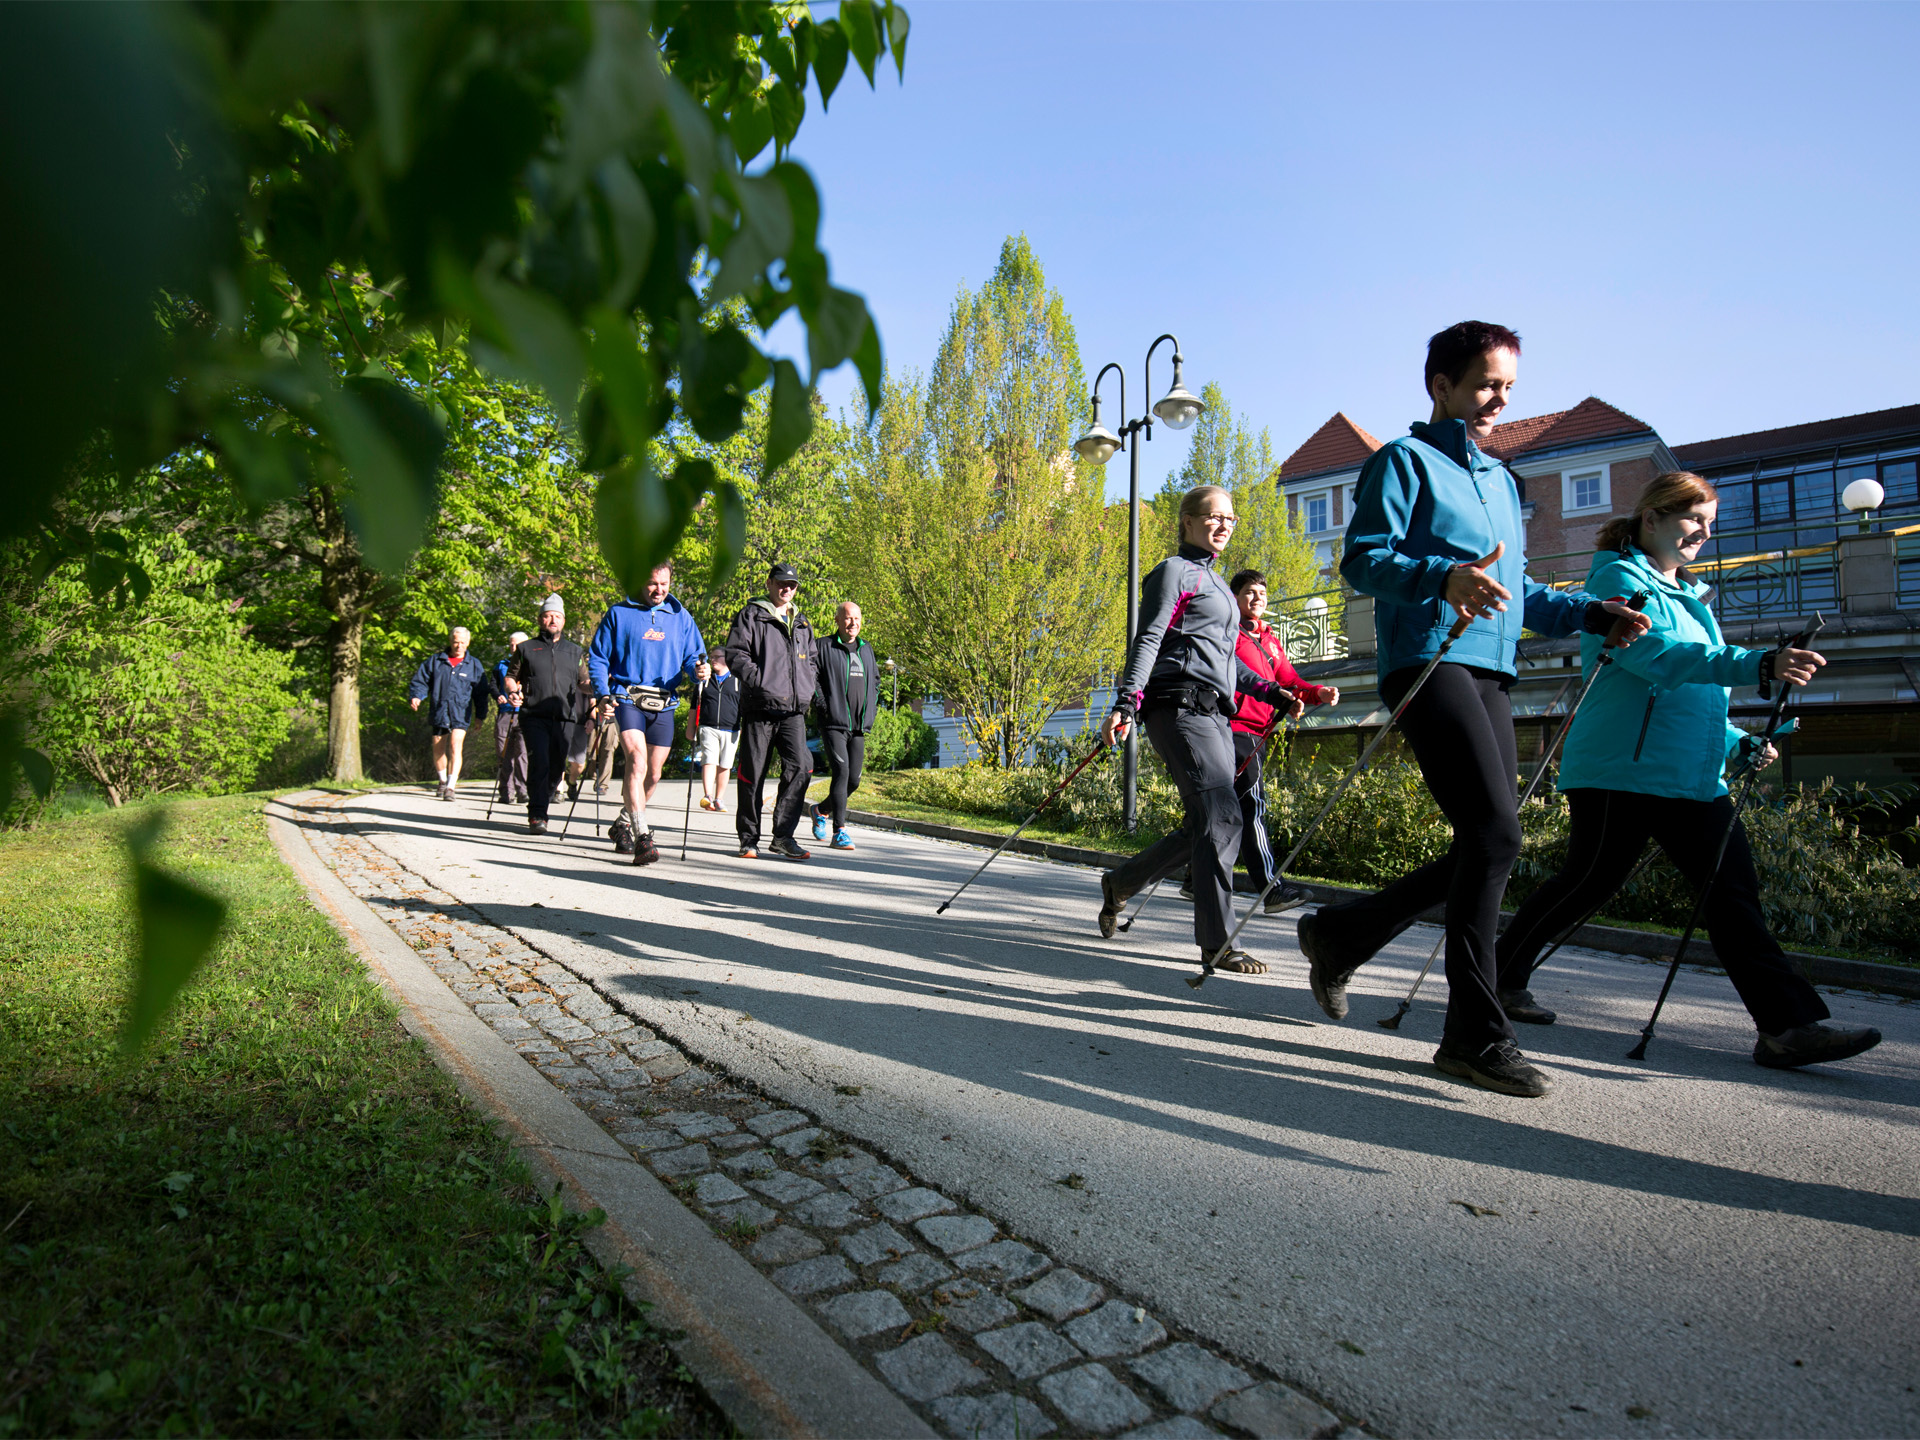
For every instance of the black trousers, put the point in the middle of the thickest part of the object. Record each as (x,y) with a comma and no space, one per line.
(1460,729)
(1610,829)
(846,753)
(1198,752)
(761,736)
(1256,846)
(546,738)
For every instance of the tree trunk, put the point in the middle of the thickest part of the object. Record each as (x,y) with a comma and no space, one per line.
(344,636)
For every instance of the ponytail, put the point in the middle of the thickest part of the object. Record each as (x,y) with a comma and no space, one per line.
(1665,494)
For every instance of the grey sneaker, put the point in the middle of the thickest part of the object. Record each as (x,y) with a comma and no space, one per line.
(1499,1067)
(1112,902)
(1811,1045)
(1523,1009)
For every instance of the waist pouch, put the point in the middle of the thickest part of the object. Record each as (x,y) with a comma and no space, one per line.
(1202,699)
(646,697)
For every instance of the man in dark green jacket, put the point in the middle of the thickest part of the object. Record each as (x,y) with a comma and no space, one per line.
(849,699)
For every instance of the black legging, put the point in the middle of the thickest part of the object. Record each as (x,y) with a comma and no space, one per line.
(1198,752)
(1460,729)
(846,752)
(1610,828)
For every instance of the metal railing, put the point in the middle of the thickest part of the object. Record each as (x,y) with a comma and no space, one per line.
(1312,626)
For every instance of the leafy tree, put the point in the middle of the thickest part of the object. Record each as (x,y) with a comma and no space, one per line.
(980,537)
(1224,452)
(164,695)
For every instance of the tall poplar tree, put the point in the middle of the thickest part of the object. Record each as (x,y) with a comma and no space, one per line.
(981,537)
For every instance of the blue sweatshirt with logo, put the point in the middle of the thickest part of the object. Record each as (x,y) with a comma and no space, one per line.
(1425,503)
(640,644)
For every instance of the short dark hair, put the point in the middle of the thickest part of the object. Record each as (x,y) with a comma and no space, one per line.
(1243,578)
(1455,348)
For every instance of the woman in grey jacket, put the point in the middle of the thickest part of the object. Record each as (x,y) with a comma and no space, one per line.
(1181,676)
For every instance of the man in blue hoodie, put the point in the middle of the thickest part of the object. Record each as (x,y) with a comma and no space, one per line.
(1436,534)
(650,642)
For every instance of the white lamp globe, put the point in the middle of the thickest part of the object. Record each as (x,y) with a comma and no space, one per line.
(1863,494)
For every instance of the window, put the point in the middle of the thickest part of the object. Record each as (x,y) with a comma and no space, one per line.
(1317,514)
(1583,492)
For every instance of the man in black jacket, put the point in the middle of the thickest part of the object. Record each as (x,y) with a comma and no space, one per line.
(544,676)
(716,726)
(849,700)
(771,647)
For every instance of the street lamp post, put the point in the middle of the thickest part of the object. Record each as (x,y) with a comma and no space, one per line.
(893,673)
(1177,409)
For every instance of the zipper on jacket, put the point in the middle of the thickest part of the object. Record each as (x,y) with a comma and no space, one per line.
(1645,720)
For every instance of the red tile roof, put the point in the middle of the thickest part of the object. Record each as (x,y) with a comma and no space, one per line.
(1871,425)
(1592,419)
(1337,445)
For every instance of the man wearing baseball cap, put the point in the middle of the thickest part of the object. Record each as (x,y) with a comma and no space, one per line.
(771,647)
(544,677)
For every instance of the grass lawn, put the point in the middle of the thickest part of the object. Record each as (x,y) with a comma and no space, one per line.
(282,1219)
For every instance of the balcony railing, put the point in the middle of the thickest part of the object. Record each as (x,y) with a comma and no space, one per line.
(1765,573)
(1311,626)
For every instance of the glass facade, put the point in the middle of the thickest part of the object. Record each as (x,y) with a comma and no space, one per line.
(1780,504)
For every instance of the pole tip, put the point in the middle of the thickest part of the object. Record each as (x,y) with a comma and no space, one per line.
(1196,981)
(1638,1052)
(1392,1022)
(943,909)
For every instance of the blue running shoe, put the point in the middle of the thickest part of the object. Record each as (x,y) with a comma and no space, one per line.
(842,840)
(819,826)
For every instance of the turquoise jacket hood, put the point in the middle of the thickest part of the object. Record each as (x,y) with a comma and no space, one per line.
(1425,503)
(1656,720)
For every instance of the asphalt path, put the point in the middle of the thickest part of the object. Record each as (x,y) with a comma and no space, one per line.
(1685,1245)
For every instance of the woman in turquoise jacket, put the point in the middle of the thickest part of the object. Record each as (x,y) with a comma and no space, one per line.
(1646,759)
(1437,533)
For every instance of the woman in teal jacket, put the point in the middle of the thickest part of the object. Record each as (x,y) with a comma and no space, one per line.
(1646,760)
(1437,533)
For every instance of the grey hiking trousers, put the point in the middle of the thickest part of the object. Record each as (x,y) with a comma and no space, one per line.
(1198,752)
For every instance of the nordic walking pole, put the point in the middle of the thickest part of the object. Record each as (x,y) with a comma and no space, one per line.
(1366,758)
(1092,755)
(693,727)
(1127,924)
(1607,647)
(1575,928)
(593,753)
(1798,642)
(501,781)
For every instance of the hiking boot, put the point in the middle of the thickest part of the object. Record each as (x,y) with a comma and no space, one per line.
(1329,965)
(1811,1045)
(621,833)
(842,840)
(446,790)
(1523,1009)
(536,827)
(787,848)
(645,852)
(1284,897)
(1112,902)
(819,826)
(1499,1067)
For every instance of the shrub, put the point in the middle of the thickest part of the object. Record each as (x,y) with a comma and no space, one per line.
(900,740)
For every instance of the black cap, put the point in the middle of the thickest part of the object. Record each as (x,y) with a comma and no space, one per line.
(783,571)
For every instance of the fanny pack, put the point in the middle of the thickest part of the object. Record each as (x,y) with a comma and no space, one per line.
(1202,699)
(647,697)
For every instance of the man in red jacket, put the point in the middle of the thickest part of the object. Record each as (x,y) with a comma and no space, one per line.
(1253,721)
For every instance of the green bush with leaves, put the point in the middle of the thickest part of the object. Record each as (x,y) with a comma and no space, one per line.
(164,695)
(900,740)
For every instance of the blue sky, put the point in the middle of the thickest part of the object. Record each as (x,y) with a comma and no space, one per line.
(1705,214)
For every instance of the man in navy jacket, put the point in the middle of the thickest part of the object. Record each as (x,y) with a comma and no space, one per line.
(457,687)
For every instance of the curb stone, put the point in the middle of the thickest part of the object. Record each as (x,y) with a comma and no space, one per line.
(921,1292)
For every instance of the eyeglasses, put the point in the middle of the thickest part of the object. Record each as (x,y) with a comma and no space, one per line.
(1228,520)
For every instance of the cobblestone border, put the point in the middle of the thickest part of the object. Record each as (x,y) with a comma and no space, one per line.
(980,1332)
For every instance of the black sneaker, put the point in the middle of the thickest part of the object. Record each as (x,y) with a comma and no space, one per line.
(788,848)
(1112,902)
(573,791)
(1329,966)
(621,832)
(1523,1009)
(1284,897)
(645,852)
(1499,1067)
(1186,891)
(536,827)
(1811,1045)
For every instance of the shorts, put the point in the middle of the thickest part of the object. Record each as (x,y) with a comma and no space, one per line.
(440,730)
(656,725)
(717,746)
(580,737)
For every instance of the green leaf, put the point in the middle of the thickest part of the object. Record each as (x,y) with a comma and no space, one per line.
(179,923)
(806,267)
(789,417)
(834,329)
(617,96)
(390,446)
(765,234)
(37,769)
(862,32)
(718,370)
(625,392)
(867,360)
(751,126)
(896,17)
(631,223)
(729,534)
(529,337)
(829,58)
(639,516)
(789,108)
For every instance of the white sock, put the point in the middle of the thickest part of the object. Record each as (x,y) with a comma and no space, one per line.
(443,774)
